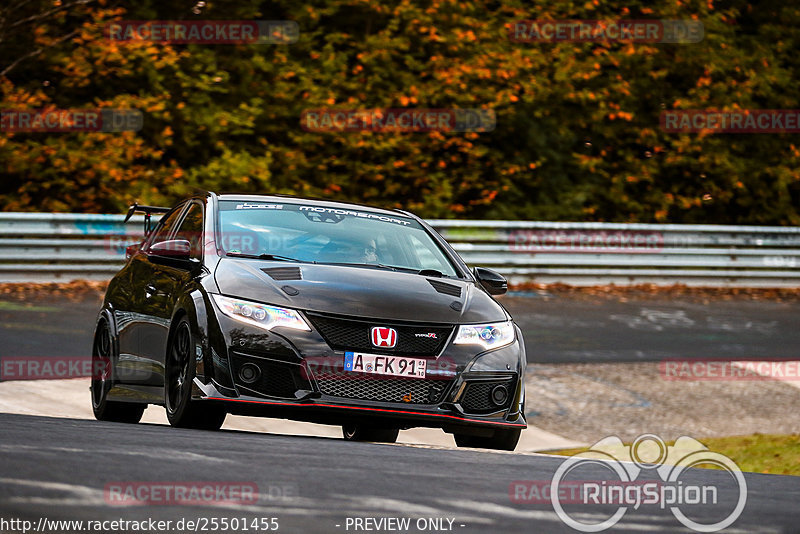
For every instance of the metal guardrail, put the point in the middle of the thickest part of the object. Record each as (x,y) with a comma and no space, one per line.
(45,247)
(61,247)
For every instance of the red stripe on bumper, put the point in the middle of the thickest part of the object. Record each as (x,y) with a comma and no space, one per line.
(370,410)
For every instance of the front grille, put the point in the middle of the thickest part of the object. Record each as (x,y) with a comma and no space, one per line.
(404,390)
(276,380)
(477,397)
(354,334)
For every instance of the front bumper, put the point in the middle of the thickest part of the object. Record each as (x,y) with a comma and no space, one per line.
(336,412)
(289,387)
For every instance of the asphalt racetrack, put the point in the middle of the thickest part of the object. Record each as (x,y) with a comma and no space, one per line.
(62,468)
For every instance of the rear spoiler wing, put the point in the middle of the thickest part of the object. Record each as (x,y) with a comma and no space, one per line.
(148,212)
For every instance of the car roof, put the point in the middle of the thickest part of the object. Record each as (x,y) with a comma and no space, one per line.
(288,199)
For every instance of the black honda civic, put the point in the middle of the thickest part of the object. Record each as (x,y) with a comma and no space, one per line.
(309,310)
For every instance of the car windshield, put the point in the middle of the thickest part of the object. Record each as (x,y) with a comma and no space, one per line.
(320,234)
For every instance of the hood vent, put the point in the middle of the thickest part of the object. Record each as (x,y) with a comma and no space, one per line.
(445,289)
(284,273)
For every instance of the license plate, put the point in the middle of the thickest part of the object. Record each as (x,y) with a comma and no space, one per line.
(378,364)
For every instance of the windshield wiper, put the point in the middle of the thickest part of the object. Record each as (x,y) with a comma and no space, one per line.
(273,257)
(432,272)
(373,265)
(422,272)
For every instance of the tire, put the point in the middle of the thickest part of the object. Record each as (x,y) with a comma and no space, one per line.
(502,440)
(103,352)
(354,432)
(179,371)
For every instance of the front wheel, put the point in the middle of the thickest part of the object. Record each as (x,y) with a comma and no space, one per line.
(354,432)
(102,360)
(502,440)
(181,411)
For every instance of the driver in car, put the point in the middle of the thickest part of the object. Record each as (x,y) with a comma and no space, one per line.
(350,251)
(370,254)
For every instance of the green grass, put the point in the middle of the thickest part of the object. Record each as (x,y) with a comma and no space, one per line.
(7,305)
(759,453)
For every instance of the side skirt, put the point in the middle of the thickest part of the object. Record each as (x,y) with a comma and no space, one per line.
(137,394)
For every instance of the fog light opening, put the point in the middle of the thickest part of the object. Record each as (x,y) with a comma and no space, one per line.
(499,395)
(249,373)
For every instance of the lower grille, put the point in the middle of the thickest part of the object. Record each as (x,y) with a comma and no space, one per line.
(275,380)
(477,397)
(422,391)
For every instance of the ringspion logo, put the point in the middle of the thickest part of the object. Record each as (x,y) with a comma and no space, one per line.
(579,491)
(646,473)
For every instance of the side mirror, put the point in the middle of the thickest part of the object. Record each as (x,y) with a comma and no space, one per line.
(179,249)
(130,250)
(492,281)
(174,253)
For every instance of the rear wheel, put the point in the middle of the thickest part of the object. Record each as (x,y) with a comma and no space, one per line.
(357,432)
(503,440)
(102,360)
(181,411)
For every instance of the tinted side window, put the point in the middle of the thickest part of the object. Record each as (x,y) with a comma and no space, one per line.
(191,229)
(165,227)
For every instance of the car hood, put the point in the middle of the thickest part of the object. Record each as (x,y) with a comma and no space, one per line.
(357,291)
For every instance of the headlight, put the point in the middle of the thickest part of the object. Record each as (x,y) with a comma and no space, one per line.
(490,336)
(261,315)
